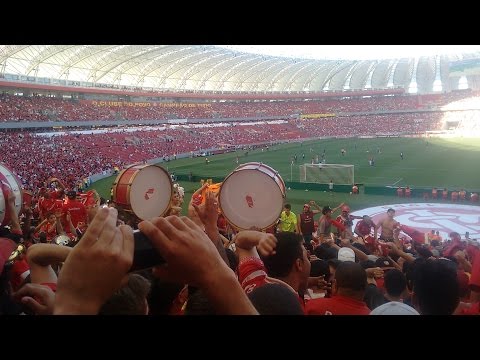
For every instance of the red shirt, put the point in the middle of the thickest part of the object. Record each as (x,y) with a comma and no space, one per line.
(252,274)
(306,222)
(46,205)
(416,235)
(363,228)
(473,310)
(337,305)
(49,230)
(20,270)
(77,211)
(56,195)
(222,224)
(324,225)
(347,222)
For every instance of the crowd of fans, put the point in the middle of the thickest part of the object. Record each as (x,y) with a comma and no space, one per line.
(41,108)
(68,254)
(286,270)
(75,156)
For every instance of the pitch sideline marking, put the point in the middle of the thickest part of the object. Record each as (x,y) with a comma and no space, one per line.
(396,182)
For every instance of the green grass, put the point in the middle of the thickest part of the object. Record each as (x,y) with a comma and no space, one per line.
(451,163)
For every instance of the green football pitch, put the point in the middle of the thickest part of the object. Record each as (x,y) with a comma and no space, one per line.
(453,163)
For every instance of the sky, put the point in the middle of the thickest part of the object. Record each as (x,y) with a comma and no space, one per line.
(354,52)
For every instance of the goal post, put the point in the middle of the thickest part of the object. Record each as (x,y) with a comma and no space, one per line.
(339,174)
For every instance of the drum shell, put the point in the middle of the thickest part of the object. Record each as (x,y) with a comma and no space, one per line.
(122,184)
(10,180)
(122,189)
(252,218)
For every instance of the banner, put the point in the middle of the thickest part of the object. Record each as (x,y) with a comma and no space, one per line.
(145,104)
(316,116)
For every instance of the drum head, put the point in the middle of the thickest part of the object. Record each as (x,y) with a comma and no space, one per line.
(151,192)
(250,198)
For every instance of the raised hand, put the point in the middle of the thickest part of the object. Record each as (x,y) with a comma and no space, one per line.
(96,266)
(267,245)
(192,213)
(39,298)
(193,259)
(208,212)
(190,255)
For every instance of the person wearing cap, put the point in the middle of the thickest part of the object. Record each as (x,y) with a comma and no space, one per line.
(305,223)
(346,220)
(348,291)
(394,308)
(346,254)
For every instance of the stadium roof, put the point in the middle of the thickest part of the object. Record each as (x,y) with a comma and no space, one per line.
(198,67)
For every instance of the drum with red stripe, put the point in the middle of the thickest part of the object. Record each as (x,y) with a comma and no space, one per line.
(144,190)
(9,181)
(252,196)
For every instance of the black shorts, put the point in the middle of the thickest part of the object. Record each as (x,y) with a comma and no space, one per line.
(386,239)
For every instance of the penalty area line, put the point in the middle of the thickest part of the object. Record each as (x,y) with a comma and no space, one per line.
(396,182)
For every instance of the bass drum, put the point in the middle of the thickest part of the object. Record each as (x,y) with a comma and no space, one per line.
(8,181)
(252,196)
(144,190)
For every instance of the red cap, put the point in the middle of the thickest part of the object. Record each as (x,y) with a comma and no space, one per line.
(345,208)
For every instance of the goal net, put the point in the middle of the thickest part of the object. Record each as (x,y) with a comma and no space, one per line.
(339,174)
